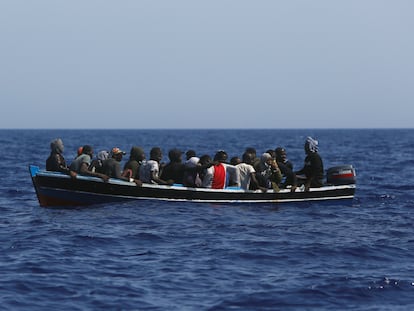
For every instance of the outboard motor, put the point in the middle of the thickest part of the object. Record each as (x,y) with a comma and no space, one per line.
(341,175)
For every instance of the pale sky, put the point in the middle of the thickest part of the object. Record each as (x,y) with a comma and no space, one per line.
(207,64)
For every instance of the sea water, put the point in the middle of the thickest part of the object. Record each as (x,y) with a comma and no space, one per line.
(147,255)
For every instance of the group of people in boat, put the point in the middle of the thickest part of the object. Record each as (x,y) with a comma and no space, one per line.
(272,170)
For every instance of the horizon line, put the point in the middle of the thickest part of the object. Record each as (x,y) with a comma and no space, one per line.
(218,128)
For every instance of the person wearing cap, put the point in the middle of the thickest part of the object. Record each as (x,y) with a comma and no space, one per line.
(56,162)
(136,158)
(174,170)
(311,175)
(192,169)
(112,166)
(149,172)
(82,163)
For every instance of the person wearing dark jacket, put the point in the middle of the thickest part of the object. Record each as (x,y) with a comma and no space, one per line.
(56,162)
(174,170)
(312,172)
(286,167)
(131,168)
(111,166)
(97,163)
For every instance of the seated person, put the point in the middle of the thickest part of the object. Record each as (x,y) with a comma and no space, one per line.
(286,167)
(235,160)
(150,170)
(97,163)
(269,175)
(81,164)
(192,170)
(56,162)
(247,173)
(312,173)
(272,153)
(256,159)
(218,175)
(189,154)
(136,158)
(206,162)
(281,157)
(174,170)
(112,167)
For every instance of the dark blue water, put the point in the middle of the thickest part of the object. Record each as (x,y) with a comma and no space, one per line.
(191,256)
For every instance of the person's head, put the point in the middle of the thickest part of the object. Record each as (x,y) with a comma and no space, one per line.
(117,154)
(87,149)
(235,161)
(205,159)
(137,154)
(248,157)
(221,156)
(175,155)
(266,158)
(56,146)
(311,145)
(102,155)
(189,154)
(80,151)
(192,162)
(272,153)
(156,154)
(252,151)
(280,154)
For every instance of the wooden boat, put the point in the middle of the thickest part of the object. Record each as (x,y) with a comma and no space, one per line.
(58,189)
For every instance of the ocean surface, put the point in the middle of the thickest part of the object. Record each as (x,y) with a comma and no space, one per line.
(145,255)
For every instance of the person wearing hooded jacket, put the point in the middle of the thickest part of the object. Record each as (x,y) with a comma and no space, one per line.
(174,170)
(311,175)
(97,163)
(136,158)
(269,175)
(56,162)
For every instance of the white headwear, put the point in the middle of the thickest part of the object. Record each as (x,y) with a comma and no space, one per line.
(192,162)
(266,156)
(103,155)
(312,144)
(56,145)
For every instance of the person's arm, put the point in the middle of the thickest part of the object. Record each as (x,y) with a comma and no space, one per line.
(291,178)
(62,167)
(155,177)
(117,173)
(208,178)
(255,183)
(159,181)
(276,173)
(85,171)
(234,174)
